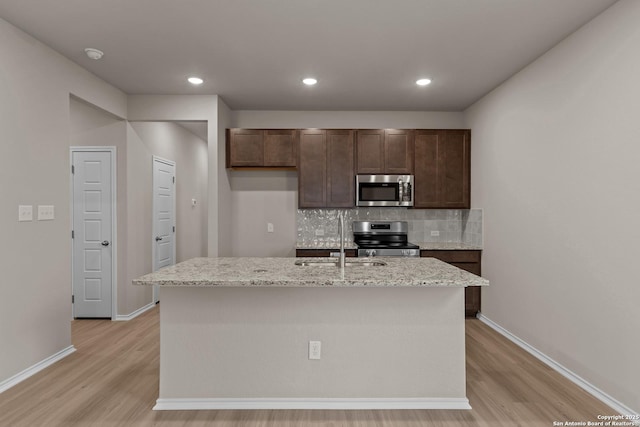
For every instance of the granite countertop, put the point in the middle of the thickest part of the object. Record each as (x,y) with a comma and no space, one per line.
(423,245)
(282,272)
(327,245)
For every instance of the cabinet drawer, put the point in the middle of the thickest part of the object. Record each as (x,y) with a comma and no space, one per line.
(453,256)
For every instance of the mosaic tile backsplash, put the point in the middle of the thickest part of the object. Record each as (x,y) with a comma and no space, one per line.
(319,227)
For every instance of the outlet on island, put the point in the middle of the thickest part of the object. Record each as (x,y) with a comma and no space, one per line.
(315,349)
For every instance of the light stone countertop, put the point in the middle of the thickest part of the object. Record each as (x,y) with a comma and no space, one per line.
(282,272)
(329,246)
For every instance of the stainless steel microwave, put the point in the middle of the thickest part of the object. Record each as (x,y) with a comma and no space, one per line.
(384,190)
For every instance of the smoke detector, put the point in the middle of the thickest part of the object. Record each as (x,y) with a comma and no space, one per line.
(93,53)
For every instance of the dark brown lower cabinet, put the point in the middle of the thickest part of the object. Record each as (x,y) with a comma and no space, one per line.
(465,260)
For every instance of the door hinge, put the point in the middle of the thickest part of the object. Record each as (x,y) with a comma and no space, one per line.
(73,299)
(174,179)
(174,228)
(73,169)
(73,234)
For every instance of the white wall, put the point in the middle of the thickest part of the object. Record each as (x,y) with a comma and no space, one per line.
(555,155)
(209,108)
(136,143)
(361,330)
(258,198)
(35,288)
(347,119)
(90,126)
(172,142)
(221,180)
(271,196)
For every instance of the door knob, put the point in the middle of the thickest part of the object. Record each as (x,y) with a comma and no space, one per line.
(105,243)
(158,238)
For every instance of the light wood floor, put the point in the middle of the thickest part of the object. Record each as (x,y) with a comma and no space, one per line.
(112,380)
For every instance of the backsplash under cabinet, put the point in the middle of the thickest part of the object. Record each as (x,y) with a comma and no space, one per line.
(318,228)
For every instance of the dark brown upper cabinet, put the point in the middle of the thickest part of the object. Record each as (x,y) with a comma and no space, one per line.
(340,168)
(442,169)
(312,168)
(388,151)
(326,168)
(270,148)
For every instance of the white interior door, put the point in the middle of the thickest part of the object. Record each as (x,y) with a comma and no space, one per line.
(92,233)
(164,215)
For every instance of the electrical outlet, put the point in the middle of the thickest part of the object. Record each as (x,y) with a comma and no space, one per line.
(435,233)
(45,212)
(320,232)
(315,350)
(25,213)
(269,227)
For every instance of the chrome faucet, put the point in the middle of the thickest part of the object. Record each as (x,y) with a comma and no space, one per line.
(341,225)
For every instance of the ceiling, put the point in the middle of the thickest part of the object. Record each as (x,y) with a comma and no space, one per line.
(366,54)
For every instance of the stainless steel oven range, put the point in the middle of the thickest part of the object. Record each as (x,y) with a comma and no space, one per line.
(383,238)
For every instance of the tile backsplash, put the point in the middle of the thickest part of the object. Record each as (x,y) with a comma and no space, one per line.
(319,227)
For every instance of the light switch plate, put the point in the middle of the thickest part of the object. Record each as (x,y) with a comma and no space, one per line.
(25,213)
(269,227)
(46,212)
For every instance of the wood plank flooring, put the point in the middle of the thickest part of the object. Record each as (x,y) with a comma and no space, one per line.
(112,380)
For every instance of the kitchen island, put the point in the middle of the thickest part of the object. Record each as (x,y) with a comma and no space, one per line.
(235,333)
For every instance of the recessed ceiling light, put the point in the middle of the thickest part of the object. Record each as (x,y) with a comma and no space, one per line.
(423,82)
(195,80)
(309,81)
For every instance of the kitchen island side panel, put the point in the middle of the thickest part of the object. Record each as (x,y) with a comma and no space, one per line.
(244,343)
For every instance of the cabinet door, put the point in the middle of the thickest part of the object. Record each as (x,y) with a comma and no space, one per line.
(426,187)
(280,147)
(370,151)
(455,169)
(398,152)
(245,148)
(340,168)
(442,169)
(312,169)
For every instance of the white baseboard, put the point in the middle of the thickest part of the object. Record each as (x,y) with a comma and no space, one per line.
(32,370)
(567,373)
(312,403)
(138,312)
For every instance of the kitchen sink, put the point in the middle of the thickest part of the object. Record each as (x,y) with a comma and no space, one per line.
(305,263)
